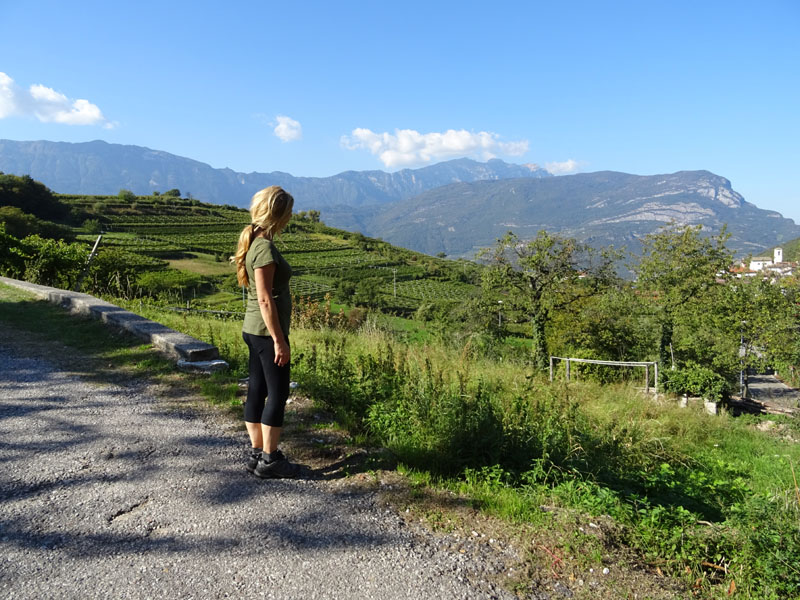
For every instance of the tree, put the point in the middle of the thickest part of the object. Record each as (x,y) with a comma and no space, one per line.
(126,195)
(32,197)
(679,272)
(535,278)
(174,192)
(367,293)
(761,320)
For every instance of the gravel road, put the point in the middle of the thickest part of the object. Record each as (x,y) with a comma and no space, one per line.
(768,388)
(108,491)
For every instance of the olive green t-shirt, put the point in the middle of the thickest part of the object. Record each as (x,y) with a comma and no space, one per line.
(263,252)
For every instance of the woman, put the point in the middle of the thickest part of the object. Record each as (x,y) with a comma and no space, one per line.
(261,268)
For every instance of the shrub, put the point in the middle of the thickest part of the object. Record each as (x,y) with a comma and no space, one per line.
(695,380)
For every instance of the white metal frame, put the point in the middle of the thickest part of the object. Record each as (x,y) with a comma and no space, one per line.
(613,363)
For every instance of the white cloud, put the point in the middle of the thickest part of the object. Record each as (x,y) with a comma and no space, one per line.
(8,96)
(47,105)
(407,147)
(287,129)
(562,168)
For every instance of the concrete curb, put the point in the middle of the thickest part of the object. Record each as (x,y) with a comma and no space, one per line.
(169,342)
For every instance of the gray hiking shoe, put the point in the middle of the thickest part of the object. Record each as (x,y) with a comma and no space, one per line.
(254,455)
(278,467)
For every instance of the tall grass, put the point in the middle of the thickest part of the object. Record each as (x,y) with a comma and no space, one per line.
(688,490)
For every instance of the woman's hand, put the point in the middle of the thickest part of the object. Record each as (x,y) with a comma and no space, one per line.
(282,353)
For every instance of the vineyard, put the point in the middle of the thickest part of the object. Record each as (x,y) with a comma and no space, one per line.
(159,233)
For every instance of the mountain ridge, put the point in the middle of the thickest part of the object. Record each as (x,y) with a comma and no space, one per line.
(603,208)
(98,167)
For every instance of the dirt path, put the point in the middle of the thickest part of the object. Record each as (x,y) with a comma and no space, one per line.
(109,491)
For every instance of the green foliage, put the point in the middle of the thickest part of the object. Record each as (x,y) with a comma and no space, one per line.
(678,271)
(169,283)
(367,293)
(126,195)
(174,193)
(114,272)
(695,380)
(32,197)
(21,224)
(536,278)
(614,325)
(92,226)
(46,261)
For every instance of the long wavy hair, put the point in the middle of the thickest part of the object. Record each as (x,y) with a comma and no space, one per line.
(270,211)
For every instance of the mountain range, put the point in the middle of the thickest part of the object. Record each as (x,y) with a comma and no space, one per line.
(603,208)
(101,168)
(455,207)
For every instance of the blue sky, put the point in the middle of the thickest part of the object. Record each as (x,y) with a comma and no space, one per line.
(316,88)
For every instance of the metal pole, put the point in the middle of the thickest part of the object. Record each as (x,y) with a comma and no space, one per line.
(567,369)
(647,379)
(92,254)
(656,381)
(741,360)
(551,368)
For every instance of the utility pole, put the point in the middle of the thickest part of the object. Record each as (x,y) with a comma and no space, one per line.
(394,281)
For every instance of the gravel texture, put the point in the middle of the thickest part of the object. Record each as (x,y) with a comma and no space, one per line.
(768,388)
(108,491)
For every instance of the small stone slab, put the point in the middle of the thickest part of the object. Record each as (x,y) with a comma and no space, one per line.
(203,366)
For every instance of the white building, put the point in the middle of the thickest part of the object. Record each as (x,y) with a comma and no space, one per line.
(775,264)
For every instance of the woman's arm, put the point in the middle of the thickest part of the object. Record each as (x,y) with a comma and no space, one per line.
(269,312)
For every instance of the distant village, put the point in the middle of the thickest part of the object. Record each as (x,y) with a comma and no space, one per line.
(773,266)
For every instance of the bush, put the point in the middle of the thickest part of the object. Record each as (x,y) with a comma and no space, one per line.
(695,380)
(92,226)
(50,262)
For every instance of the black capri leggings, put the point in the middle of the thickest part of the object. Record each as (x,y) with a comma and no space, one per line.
(268,388)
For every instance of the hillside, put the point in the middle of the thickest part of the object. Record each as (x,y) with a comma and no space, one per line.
(163,234)
(101,168)
(791,250)
(602,209)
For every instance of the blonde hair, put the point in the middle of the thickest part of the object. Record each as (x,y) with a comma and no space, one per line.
(270,211)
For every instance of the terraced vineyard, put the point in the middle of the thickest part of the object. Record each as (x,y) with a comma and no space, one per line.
(158,229)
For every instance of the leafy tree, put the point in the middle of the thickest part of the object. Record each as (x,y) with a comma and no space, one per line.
(367,293)
(762,315)
(614,325)
(679,272)
(345,290)
(544,275)
(92,226)
(32,197)
(21,224)
(126,195)
(174,192)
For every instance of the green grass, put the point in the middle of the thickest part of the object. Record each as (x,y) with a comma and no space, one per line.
(202,264)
